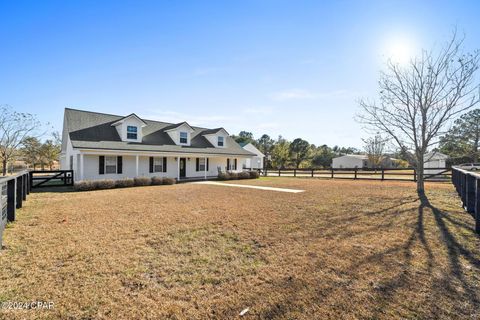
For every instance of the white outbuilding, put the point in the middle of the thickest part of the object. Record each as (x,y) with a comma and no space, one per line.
(435,162)
(350,161)
(255,162)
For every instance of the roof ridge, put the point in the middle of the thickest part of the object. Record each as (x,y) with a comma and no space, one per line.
(121,117)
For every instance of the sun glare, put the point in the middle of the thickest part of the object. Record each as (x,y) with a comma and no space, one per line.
(400,49)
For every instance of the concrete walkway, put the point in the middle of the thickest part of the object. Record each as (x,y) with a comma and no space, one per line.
(214,183)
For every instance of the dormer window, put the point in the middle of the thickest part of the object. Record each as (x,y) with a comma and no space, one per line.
(183,137)
(220,141)
(132,132)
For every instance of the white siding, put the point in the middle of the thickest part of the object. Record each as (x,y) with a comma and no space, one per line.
(347,162)
(91,170)
(255,162)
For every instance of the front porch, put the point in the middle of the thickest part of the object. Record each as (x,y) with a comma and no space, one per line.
(98,165)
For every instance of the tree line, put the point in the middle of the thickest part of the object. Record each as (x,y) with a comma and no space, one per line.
(20,141)
(298,153)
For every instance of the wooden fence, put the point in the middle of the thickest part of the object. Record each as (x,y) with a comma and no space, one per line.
(467,184)
(51,178)
(13,191)
(401,174)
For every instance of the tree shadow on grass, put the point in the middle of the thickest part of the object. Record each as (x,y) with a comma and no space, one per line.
(454,274)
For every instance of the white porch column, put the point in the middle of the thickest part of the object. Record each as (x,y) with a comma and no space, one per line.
(136,165)
(81,166)
(205,168)
(178,168)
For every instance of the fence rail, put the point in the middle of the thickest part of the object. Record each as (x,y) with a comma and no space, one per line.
(467,184)
(13,191)
(401,174)
(51,178)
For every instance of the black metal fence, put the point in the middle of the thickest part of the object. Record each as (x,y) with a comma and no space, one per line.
(400,174)
(467,184)
(13,191)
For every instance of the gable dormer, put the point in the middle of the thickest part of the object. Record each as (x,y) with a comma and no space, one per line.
(217,137)
(181,133)
(129,128)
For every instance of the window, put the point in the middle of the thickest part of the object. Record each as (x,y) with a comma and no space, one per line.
(183,137)
(110,164)
(132,132)
(220,141)
(201,164)
(157,164)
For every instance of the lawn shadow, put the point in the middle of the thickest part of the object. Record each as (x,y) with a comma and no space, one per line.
(56,189)
(452,279)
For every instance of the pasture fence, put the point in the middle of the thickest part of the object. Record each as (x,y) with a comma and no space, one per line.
(400,174)
(467,184)
(13,191)
(51,178)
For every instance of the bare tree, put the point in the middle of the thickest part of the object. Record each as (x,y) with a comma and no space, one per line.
(417,100)
(374,147)
(14,128)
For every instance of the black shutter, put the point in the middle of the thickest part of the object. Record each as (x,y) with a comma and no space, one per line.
(119,164)
(235,163)
(228,163)
(207,165)
(101,165)
(197,164)
(164,164)
(151,164)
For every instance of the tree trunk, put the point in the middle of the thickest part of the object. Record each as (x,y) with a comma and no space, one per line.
(4,168)
(420,176)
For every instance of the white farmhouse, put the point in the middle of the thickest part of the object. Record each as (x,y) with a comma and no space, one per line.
(255,162)
(104,146)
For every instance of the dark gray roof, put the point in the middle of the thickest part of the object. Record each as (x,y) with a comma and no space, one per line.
(94,130)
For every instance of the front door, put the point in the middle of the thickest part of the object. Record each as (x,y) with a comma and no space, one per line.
(183,171)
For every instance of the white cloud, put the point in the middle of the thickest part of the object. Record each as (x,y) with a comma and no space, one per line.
(299,94)
(292,94)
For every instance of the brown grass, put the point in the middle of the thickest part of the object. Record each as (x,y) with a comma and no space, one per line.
(340,250)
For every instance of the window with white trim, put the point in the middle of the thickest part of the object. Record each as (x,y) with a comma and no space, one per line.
(158,164)
(132,132)
(220,141)
(110,164)
(183,137)
(201,164)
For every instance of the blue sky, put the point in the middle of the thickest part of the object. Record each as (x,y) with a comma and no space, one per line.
(294,68)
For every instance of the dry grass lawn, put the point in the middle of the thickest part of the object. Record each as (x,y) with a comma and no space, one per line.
(340,250)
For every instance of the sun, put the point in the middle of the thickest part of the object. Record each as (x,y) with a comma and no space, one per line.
(400,49)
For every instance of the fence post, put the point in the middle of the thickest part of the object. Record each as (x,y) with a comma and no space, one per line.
(11,200)
(19,188)
(355,176)
(477,207)
(312,173)
(414,175)
(24,191)
(294,172)
(332,173)
(463,189)
(264,173)
(279,172)
(470,193)
(383,174)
